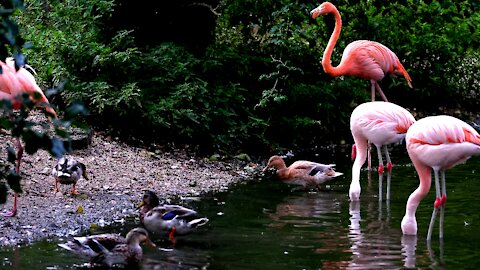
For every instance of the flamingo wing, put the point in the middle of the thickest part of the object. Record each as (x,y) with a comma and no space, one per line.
(431,137)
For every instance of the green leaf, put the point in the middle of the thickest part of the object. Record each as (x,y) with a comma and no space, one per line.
(13,180)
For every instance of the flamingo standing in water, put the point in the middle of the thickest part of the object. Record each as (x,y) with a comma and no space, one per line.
(380,123)
(365,59)
(13,84)
(438,143)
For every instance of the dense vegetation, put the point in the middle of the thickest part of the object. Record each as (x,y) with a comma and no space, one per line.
(245,75)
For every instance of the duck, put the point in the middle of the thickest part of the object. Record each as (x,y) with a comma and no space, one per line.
(110,249)
(304,173)
(168,219)
(68,171)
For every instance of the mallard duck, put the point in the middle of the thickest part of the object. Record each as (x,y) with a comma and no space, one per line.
(305,173)
(168,219)
(110,249)
(68,171)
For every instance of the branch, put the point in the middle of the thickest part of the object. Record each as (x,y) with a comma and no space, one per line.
(213,10)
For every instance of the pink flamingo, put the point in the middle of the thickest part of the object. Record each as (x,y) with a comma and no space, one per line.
(380,123)
(13,84)
(438,143)
(362,58)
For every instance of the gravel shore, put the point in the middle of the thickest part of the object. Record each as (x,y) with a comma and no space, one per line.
(118,175)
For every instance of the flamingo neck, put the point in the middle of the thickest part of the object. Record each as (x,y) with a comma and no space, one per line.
(425,175)
(361,156)
(326,63)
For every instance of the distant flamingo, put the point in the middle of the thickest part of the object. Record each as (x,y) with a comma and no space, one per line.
(13,84)
(362,58)
(438,143)
(380,123)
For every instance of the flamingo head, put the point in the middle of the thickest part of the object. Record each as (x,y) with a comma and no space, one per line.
(323,9)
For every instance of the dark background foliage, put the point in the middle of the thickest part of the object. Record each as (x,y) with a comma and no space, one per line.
(244,75)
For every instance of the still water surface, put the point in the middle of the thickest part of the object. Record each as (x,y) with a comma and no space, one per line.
(266,225)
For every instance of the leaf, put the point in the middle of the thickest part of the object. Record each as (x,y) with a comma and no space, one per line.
(3,192)
(80,210)
(58,147)
(13,180)
(11,154)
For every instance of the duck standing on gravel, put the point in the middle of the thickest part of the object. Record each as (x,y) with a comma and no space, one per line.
(68,171)
(304,173)
(110,249)
(168,219)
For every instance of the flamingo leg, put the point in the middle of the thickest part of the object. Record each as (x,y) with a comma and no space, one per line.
(369,157)
(373,82)
(389,179)
(380,92)
(380,160)
(436,205)
(380,173)
(389,170)
(443,200)
(380,188)
(13,212)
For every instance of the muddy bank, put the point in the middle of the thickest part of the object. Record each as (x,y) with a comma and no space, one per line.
(118,175)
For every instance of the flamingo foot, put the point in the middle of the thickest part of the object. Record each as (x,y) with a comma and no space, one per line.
(10,213)
(389,167)
(381,169)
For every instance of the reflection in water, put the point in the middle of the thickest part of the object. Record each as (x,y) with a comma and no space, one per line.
(409,246)
(376,246)
(183,258)
(310,208)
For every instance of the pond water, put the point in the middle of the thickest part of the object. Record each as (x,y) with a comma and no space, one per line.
(266,225)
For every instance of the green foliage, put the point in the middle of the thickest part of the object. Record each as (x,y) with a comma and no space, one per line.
(260,84)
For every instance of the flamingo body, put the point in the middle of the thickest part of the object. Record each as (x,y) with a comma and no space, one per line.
(436,143)
(365,59)
(302,172)
(380,123)
(13,84)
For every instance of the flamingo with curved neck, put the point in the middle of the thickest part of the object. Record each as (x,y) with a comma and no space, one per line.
(380,123)
(438,143)
(362,58)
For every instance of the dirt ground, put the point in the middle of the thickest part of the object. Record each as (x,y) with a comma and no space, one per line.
(118,175)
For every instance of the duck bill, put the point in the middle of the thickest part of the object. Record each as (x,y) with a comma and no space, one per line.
(150,243)
(142,203)
(335,174)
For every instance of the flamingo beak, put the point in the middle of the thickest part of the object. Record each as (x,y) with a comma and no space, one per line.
(316,12)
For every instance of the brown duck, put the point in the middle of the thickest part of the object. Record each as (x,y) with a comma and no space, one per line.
(304,173)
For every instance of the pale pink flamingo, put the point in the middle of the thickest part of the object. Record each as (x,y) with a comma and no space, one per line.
(365,59)
(301,172)
(13,84)
(380,123)
(438,143)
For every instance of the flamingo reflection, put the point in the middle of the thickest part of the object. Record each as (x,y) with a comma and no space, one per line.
(374,246)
